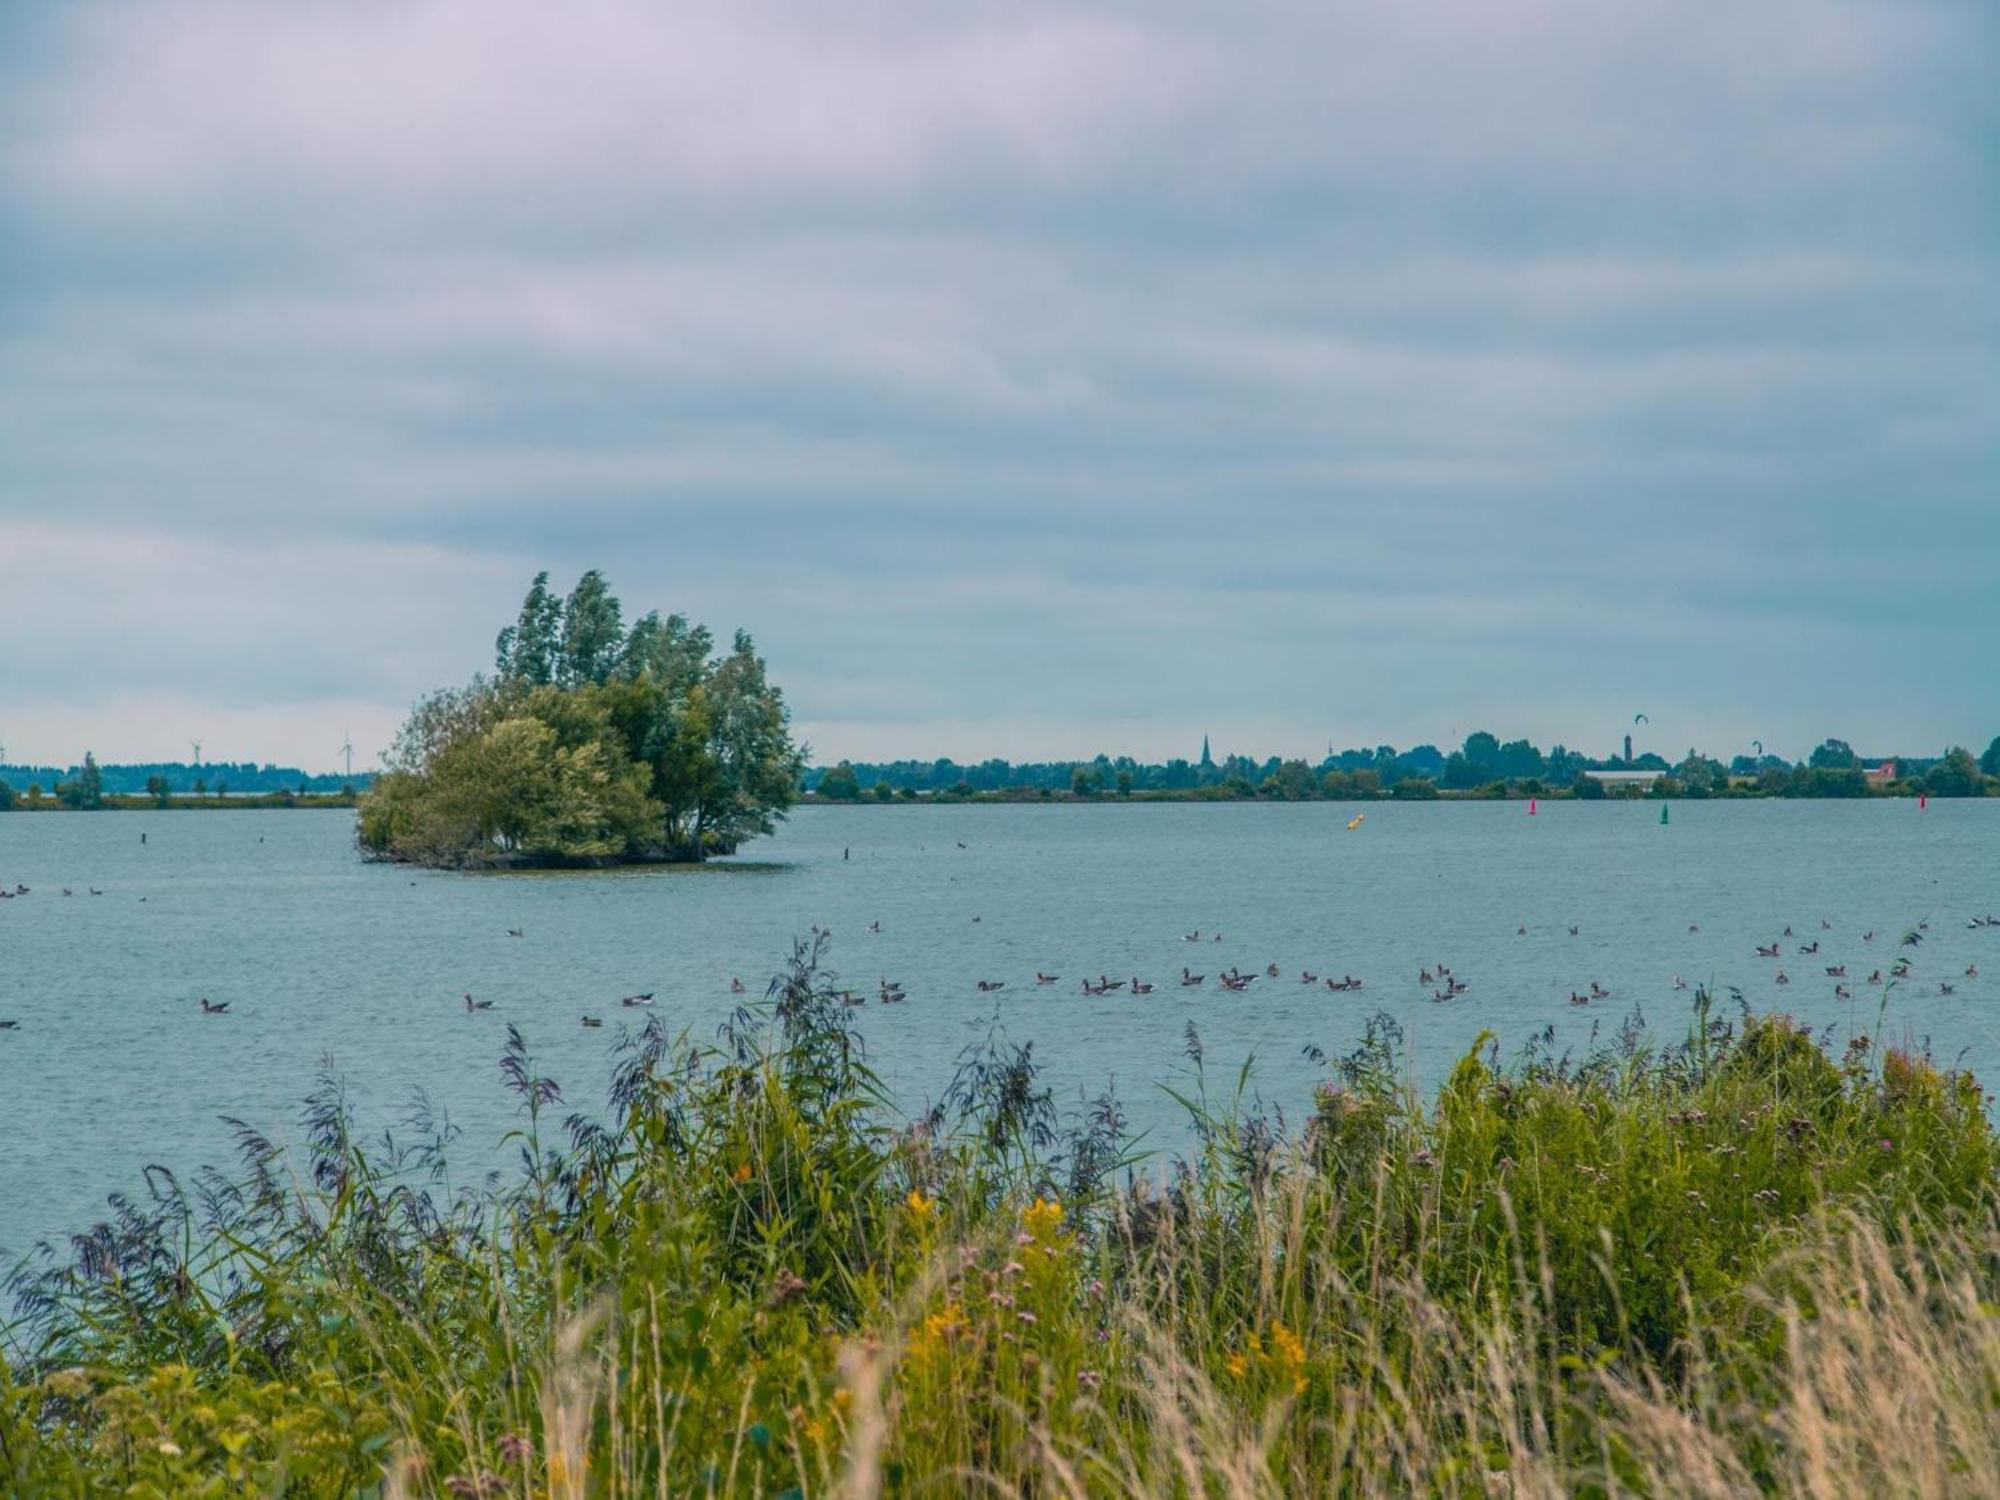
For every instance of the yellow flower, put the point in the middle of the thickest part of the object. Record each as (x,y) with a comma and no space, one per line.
(1291,1355)
(1042,1218)
(937,1331)
(741,1174)
(1239,1365)
(920,1207)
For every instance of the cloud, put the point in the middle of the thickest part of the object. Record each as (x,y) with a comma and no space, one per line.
(1038,371)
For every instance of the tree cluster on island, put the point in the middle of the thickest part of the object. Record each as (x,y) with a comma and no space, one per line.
(589,744)
(1483,766)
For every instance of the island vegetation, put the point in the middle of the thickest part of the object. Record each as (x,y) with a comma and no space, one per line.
(1739,1264)
(589,744)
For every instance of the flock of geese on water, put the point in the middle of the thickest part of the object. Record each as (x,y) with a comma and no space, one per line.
(1443,984)
(1899,968)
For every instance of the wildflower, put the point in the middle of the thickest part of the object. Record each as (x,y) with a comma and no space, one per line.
(69,1383)
(1090,1380)
(1042,1218)
(937,1330)
(1291,1355)
(741,1174)
(1238,1365)
(170,1448)
(919,1206)
(786,1285)
(1026,1317)
(515,1448)
(842,1399)
(1012,1268)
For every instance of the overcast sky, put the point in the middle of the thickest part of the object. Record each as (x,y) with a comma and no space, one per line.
(1030,380)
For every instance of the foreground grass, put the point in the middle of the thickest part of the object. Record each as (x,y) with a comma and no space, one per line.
(1740,1265)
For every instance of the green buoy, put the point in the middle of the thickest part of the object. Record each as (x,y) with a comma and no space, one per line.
(1663,814)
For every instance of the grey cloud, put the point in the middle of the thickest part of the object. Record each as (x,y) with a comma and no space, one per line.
(1079,373)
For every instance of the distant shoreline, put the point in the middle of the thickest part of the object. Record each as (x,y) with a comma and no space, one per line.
(186,802)
(1030,797)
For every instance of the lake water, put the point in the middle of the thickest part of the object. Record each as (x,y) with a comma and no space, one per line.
(318,954)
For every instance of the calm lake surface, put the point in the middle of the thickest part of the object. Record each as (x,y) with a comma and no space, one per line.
(320,955)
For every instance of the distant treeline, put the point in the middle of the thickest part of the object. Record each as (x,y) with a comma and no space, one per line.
(210,778)
(1482,764)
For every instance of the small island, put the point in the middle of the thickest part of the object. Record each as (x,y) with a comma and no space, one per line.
(589,745)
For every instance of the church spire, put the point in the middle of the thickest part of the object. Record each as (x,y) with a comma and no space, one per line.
(1206,759)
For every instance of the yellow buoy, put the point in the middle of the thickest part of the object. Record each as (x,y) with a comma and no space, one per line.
(1355,821)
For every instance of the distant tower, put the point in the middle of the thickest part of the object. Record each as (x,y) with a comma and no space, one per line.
(1628,749)
(1206,758)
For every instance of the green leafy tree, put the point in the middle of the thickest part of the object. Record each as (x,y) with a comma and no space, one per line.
(593,634)
(589,745)
(673,653)
(87,791)
(1293,781)
(526,651)
(6,796)
(1990,761)
(840,784)
(757,763)
(1482,757)
(1124,783)
(157,789)
(1957,775)
(1830,781)
(1833,755)
(1080,782)
(884,792)
(1699,776)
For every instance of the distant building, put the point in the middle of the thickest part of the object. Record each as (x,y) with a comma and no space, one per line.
(1612,780)
(1206,758)
(1880,775)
